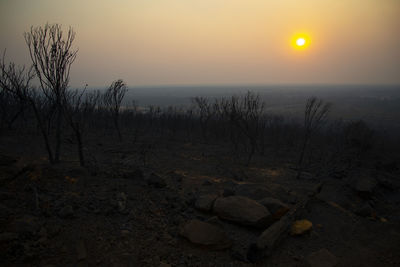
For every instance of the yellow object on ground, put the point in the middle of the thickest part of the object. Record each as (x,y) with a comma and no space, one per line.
(300,227)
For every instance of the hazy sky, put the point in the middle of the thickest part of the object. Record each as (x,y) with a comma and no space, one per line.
(158,42)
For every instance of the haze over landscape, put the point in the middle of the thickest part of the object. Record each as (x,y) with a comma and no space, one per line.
(177,42)
(200,133)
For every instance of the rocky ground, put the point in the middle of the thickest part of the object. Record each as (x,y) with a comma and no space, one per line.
(184,207)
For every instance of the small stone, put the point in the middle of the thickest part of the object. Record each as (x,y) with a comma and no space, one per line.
(322,258)
(66,212)
(300,227)
(205,202)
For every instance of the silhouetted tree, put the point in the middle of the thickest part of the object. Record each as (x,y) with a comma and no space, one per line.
(205,113)
(112,100)
(52,55)
(14,86)
(315,113)
(79,105)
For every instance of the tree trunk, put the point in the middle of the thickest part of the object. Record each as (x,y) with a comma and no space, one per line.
(80,147)
(58,133)
(44,134)
(117,127)
(302,152)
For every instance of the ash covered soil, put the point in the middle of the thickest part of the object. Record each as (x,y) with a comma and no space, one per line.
(184,204)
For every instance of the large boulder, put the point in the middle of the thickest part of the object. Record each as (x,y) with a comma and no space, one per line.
(241,210)
(205,234)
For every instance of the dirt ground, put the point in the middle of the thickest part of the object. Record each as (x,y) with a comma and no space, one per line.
(129,206)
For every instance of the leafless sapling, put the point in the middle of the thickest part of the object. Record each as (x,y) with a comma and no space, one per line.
(315,114)
(79,106)
(52,55)
(112,100)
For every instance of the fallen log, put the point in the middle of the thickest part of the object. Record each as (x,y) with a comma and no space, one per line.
(271,237)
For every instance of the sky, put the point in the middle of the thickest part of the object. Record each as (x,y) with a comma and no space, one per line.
(216,42)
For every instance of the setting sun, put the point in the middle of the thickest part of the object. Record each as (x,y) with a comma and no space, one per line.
(300,42)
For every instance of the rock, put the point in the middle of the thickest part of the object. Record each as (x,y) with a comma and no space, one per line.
(241,210)
(205,202)
(8,237)
(156,181)
(205,234)
(163,264)
(276,207)
(66,212)
(365,186)
(270,236)
(300,227)
(322,258)
(364,210)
